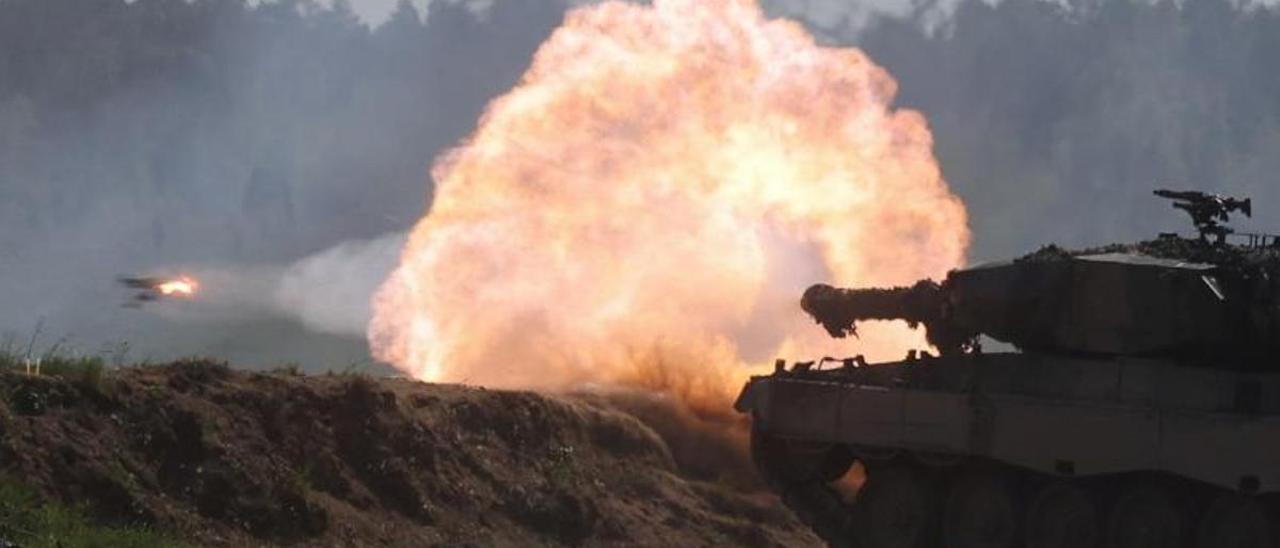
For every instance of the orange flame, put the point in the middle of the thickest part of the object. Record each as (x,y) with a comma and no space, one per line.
(184,286)
(647,206)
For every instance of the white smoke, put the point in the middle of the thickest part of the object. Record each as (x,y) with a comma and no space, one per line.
(330,291)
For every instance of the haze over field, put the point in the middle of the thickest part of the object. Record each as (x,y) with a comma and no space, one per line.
(266,147)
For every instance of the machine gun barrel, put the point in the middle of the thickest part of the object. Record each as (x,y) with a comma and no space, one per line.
(1184,195)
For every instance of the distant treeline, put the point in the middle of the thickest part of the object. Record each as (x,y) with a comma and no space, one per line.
(1054,124)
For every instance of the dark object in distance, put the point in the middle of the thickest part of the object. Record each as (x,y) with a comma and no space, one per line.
(152,288)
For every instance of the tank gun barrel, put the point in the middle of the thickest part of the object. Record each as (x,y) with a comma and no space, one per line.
(838,310)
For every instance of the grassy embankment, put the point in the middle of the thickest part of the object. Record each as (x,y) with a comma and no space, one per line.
(30,522)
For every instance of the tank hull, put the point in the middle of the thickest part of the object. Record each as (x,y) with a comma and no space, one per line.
(1102,425)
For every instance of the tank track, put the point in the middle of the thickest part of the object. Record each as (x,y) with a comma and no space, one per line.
(920,500)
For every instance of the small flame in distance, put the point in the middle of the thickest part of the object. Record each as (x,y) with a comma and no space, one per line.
(646,207)
(183,286)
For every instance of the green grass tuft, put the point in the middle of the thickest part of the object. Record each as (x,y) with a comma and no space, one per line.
(84,369)
(30,523)
(57,361)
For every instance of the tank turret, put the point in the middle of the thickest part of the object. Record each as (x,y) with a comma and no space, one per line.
(1187,299)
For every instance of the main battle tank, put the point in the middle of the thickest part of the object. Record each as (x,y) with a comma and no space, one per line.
(1136,403)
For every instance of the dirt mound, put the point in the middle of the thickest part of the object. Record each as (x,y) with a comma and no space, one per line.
(226,457)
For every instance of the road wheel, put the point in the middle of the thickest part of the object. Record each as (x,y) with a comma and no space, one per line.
(1063,515)
(1234,521)
(895,509)
(782,462)
(981,512)
(1146,516)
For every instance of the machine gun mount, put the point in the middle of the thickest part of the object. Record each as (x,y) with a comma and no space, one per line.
(1208,211)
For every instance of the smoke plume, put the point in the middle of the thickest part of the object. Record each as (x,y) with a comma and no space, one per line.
(647,205)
